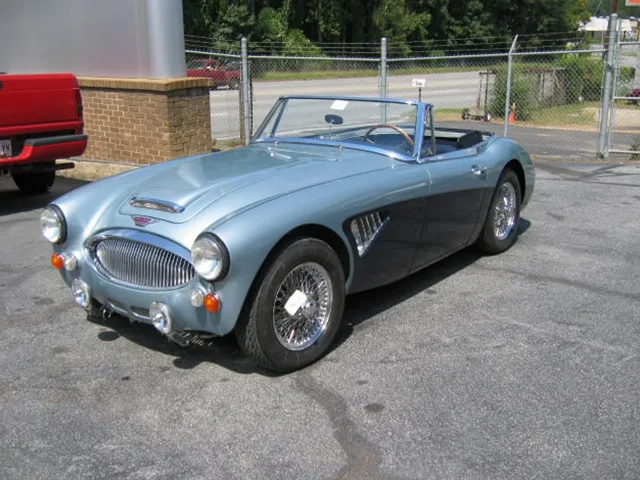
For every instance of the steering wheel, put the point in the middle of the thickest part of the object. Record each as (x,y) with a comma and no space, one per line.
(393,127)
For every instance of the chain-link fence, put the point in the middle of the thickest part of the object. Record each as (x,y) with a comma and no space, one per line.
(554,101)
(624,120)
(225,75)
(551,102)
(275,76)
(553,98)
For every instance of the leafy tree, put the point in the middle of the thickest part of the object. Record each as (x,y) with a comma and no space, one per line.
(408,24)
(273,29)
(396,22)
(234,22)
(602,8)
(199,16)
(325,19)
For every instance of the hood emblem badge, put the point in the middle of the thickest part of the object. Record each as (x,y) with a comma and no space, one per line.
(142,221)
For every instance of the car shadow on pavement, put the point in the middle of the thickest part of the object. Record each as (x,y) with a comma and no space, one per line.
(359,308)
(222,351)
(13,200)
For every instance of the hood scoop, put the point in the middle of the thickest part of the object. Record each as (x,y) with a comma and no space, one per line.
(156,204)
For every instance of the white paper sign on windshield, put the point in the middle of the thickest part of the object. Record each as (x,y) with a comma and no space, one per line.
(339,105)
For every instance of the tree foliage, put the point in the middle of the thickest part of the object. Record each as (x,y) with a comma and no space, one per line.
(297,25)
(602,8)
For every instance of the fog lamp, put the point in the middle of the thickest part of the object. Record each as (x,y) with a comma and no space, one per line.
(160,317)
(81,292)
(197,298)
(70,263)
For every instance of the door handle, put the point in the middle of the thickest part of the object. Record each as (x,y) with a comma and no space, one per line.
(477,171)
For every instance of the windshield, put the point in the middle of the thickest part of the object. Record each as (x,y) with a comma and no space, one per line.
(386,125)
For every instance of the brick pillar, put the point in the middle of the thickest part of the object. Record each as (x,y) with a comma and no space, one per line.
(142,121)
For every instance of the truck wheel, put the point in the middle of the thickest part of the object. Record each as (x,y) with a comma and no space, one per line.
(34,183)
(234,84)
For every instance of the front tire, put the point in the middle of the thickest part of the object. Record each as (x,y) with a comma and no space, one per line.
(34,183)
(501,224)
(296,310)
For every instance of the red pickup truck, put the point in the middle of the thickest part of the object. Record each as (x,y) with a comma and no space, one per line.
(41,121)
(219,73)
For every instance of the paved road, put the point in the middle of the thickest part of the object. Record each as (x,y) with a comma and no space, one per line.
(523,365)
(549,142)
(456,89)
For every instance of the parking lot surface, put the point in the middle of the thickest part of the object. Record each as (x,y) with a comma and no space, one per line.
(524,365)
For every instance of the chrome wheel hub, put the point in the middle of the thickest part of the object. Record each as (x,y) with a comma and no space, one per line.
(302,306)
(504,218)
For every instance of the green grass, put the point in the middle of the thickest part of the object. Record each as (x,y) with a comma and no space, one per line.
(360,73)
(227,144)
(430,66)
(562,115)
(447,114)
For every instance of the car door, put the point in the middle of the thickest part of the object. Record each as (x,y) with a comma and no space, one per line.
(458,187)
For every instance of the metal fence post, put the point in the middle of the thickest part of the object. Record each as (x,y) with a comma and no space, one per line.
(507,98)
(603,147)
(383,77)
(383,67)
(246,126)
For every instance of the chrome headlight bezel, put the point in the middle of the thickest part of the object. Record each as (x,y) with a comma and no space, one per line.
(209,248)
(55,213)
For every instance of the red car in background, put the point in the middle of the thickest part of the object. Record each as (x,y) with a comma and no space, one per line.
(41,121)
(220,73)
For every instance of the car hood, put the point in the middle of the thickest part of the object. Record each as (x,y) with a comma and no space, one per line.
(237,179)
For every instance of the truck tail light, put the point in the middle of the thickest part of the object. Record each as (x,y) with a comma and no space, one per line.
(79,106)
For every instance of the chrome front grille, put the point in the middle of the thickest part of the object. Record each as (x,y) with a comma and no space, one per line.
(141,264)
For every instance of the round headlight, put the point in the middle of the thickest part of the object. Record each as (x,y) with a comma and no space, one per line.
(209,257)
(53,225)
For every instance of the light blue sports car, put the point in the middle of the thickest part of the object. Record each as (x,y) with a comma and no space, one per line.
(333,195)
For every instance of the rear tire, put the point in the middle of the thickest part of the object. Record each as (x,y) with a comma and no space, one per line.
(273,337)
(501,224)
(34,183)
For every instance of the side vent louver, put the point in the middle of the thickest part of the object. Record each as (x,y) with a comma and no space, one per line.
(365,229)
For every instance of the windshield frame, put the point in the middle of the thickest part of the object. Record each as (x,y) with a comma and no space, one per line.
(423,113)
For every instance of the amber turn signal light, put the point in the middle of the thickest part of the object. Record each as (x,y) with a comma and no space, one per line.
(57,261)
(211,303)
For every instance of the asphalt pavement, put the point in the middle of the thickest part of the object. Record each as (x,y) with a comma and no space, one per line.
(524,365)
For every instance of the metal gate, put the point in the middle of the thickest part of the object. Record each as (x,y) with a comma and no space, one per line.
(624,115)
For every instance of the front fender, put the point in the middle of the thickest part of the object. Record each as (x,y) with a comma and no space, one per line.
(251,235)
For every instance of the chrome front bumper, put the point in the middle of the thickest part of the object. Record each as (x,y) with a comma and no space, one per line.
(134,303)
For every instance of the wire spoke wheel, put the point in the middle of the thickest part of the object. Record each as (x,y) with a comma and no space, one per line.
(307,291)
(297,308)
(505,211)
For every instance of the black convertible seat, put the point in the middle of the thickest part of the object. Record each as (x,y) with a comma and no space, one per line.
(469,139)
